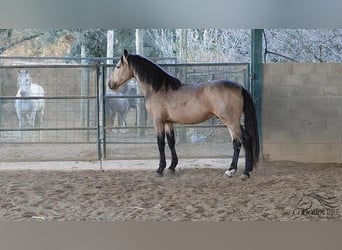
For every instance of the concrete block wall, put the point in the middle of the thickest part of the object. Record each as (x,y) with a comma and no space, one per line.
(302,112)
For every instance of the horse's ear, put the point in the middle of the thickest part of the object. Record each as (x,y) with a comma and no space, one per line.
(124,57)
(26,71)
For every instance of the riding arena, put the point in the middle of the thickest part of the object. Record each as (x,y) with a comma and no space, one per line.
(77,146)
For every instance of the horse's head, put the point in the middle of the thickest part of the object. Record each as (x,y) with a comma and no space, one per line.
(24,82)
(121,73)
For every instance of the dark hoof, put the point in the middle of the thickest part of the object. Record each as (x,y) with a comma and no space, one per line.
(244,177)
(159,173)
(172,169)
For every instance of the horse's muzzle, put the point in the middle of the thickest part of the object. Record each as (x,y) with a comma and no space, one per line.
(113,85)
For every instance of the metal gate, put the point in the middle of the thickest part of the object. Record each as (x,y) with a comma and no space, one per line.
(75,123)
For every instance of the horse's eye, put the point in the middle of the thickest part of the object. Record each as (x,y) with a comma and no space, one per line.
(118,66)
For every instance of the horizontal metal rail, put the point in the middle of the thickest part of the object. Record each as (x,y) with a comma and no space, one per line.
(175,126)
(45,66)
(46,97)
(123,96)
(53,142)
(49,129)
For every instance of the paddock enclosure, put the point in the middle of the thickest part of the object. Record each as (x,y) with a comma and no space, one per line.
(74,122)
(301,113)
(299,179)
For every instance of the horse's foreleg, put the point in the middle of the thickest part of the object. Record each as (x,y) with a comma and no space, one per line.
(159,128)
(113,121)
(32,120)
(21,119)
(123,117)
(161,147)
(170,135)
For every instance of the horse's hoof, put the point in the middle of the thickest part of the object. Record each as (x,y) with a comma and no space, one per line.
(244,177)
(230,173)
(159,173)
(171,170)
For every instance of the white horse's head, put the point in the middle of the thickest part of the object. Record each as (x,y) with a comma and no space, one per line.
(24,82)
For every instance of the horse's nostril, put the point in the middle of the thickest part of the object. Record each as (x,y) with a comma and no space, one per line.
(111,85)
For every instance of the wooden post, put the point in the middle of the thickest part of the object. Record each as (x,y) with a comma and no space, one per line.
(141,111)
(84,88)
(110,53)
(183,59)
(183,46)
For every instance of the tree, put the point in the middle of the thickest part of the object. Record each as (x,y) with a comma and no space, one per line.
(203,45)
(11,37)
(161,42)
(94,41)
(304,45)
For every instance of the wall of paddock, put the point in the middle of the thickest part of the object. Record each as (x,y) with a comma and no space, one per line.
(302,112)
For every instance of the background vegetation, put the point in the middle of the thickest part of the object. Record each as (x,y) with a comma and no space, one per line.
(201,45)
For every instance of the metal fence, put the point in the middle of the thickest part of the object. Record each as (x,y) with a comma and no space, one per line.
(75,123)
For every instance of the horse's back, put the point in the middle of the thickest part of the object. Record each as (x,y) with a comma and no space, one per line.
(119,104)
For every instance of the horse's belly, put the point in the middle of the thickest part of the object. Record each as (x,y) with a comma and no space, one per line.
(189,115)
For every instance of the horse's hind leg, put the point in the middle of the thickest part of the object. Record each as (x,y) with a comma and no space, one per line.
(236,134)
(247,144)
(170,135)
(233,166)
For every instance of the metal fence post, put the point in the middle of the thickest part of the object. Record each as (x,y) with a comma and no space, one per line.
(99,114)
(256,73)
(103,117)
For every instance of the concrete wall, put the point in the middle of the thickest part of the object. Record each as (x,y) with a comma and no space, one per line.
(302,112)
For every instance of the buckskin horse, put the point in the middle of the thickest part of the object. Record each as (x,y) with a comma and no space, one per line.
(169,101)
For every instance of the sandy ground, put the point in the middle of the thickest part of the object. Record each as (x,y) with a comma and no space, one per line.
(130,191)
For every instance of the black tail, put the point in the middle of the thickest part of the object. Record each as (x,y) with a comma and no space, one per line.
(251,125)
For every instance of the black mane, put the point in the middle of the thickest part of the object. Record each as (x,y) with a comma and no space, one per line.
(152,74)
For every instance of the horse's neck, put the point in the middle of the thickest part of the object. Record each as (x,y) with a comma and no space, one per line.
(145,89)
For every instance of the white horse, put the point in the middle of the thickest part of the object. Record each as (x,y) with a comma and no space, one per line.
(28,109)
(115,106)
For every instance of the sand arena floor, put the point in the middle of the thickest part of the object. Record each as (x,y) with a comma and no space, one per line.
(198,191)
